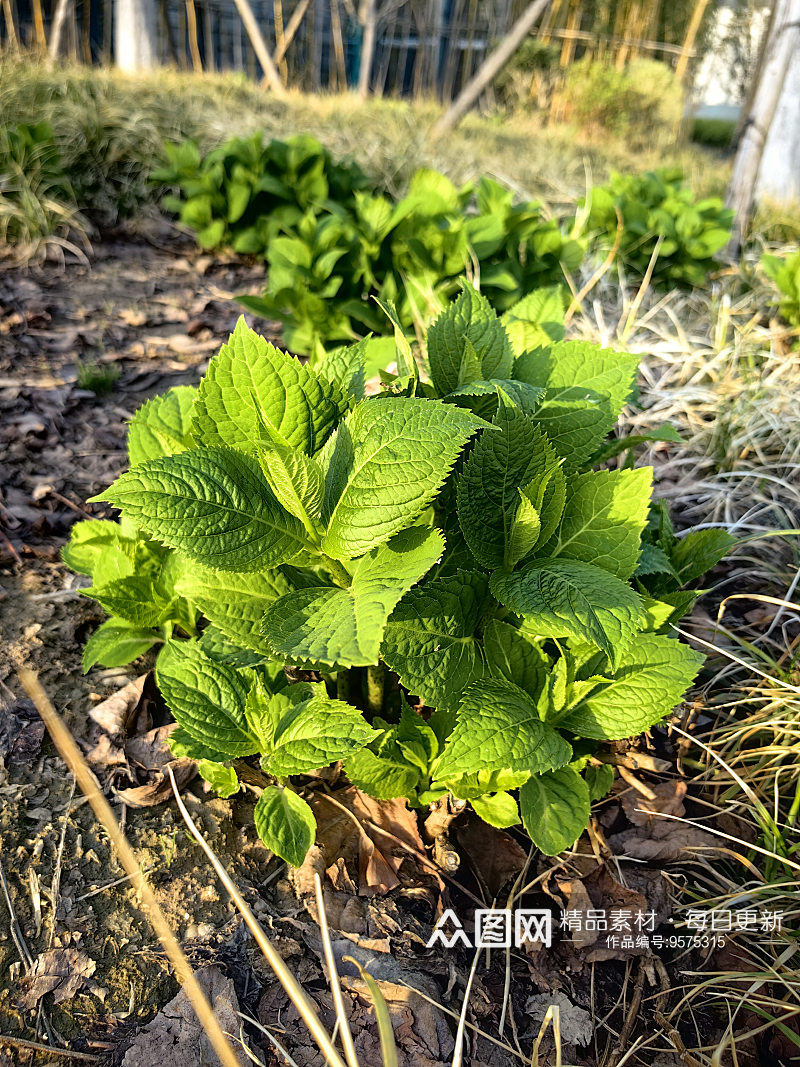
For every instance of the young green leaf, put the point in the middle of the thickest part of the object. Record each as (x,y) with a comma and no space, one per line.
(390,458)
(499,810)
(251,383)
(430,638)
(700,550)
(513,656)
(206,698)
(537,320)
(555,809)
(381,777)
(650,678)
(604,517)
(91,540)
(345,368)
(296,480)
(213,505)
(234,601)
(285,823)
(499,727)
(330,625)
(116,643)
(565,598)
(468,334)
(599,780)
(222,779)
(501,463)
(162,426)
(136,599)
(586,388)
(314,733)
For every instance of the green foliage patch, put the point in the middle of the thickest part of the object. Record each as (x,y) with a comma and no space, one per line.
(446,543)
(784,271)
(659,207)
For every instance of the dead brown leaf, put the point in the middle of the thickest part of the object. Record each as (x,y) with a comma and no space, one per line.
(115,714)
(653,838)
(177,1030)
(60,971)
(493,854)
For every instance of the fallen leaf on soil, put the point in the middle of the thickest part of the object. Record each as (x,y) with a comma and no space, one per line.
(21,733)
(645,893)
(576,1023)
(421,1034)
(177,1031)
(653,838)
(115,715)
(493,854)
(354,850)
(60,971)
(577,899)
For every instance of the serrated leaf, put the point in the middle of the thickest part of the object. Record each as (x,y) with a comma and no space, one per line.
(285,823)
(470,318)
(223,649)
(500,810)
(654,560)
(513,656)
(585,389)
(345,368)
(251,383)
(90,540)
(315,733)
(162,426)
(501,463)
(296,480)
(207,698)
(134,599)
(430,638)
(650,678)
(234,601)
(379,777)
(700,550)
(565,598)
(478,784)
(555,809)
(116,643)
(213,505)
(499,727)
(182,744)
(389,460)
(536,320)
(604,517)
(223,780)
(345,626)
(526,526)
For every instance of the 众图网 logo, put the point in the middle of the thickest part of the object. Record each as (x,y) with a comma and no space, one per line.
(495,928)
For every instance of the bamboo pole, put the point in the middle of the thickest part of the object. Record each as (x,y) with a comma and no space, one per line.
(291,30)
(191,27)
(209,38)
(691,36)
(338,46)
(277,22)
(369,20)
(490,68)
(11,29)
(56,33)
(271,76)
(38,27)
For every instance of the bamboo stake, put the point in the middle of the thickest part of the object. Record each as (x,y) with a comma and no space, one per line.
(208,36)
(691,35)
(271,76)
(369,20)
(11,30)
(38,27)
(277,22)
(490,68)
(291,30)
(59,18)
(191,26)
(76,763)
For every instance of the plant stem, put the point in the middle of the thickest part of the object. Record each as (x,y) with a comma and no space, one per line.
(343,686)
(376,676)
(338,571)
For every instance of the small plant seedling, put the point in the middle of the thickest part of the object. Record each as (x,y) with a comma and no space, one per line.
(472,604)
(96,378)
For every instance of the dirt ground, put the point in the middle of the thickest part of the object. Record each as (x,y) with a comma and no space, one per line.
(80,968)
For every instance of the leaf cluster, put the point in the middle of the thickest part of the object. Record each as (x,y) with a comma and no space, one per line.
(451,536)
(784,271)
(659,206)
